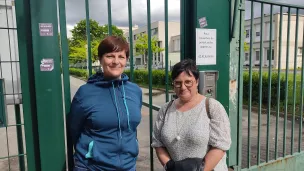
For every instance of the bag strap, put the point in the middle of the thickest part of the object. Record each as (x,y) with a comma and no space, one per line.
(169,104)
(207,107)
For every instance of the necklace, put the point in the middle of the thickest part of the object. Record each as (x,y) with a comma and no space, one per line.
(178,137)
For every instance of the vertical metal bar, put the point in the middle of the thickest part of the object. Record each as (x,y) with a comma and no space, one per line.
(64,55)
(25,43)
(66,75)
(9,44)
(19,138)
(48,87)
(240,86)
(260,84)
(7,146)
(131,40)
(269,83)
(109,18)
(182,29)
(294,82)
(235,16)
(166,50)
(88,27)
(250,86)
(286,84)
(279,85)
(150,56)
(301,108)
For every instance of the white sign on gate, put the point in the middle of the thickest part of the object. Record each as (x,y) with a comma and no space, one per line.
(205,46)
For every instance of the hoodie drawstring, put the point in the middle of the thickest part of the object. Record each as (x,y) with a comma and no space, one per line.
(118,115)
(126,106)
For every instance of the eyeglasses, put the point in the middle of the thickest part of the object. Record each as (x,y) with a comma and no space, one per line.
(187,83)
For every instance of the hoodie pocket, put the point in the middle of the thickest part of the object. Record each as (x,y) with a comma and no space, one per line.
(89,154)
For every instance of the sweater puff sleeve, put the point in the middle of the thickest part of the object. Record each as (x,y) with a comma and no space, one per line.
(219,136)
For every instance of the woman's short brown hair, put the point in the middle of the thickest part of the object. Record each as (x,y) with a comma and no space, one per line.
(113,44)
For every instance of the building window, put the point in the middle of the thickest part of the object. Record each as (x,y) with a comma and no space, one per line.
(268,54)
(300,50)
(176,44)
(154,31)
(134,37)
(257,55)
(257,34)
(247,33)
(246,56)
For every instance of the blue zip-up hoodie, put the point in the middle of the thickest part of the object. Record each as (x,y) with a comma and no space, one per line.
(102,122)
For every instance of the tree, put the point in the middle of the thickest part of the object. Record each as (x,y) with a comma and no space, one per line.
(78,42)
(79,31)
(141,46)
(79,52)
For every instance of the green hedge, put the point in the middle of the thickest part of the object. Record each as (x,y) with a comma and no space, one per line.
(158,77)
(79,72)
(265,92)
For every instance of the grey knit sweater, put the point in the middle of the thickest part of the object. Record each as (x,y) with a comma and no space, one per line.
(191,133)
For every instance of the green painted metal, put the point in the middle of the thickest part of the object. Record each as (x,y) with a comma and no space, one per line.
(269,83)
(153,106)
(166,50)
(227,62)
(3,118)
(64,56)
(302,101)
(65,73)
(276,3)
(109,18)
(19,138)
(250,87)
(286,84)
(88,33)
(48,95)
(260,85)
(23,19)
(131,40)
(188,25)
(150,56)
(294,163)
(279,85)
(294,82)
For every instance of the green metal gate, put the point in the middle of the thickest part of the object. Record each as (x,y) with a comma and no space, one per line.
(271,50)
(266,113)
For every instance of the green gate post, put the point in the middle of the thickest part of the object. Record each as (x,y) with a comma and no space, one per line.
(23,19)
(48,87)
(219,15)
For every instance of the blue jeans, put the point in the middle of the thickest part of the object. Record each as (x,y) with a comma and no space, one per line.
(80,167)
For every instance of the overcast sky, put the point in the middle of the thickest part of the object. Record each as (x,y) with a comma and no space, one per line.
(75,11)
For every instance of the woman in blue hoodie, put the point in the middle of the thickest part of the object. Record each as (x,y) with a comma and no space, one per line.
(105,113)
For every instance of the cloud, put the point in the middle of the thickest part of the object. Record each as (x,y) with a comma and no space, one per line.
(75,11)
(276,9)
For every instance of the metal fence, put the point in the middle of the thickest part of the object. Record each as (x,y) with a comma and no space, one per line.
(272,48)
(12,143)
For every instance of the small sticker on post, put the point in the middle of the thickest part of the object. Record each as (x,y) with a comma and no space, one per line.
(46,29)
(47,64)
(203,22)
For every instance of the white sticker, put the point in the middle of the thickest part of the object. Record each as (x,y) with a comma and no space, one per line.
(46,29)
(203,22)
(47,64)
(205,46)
